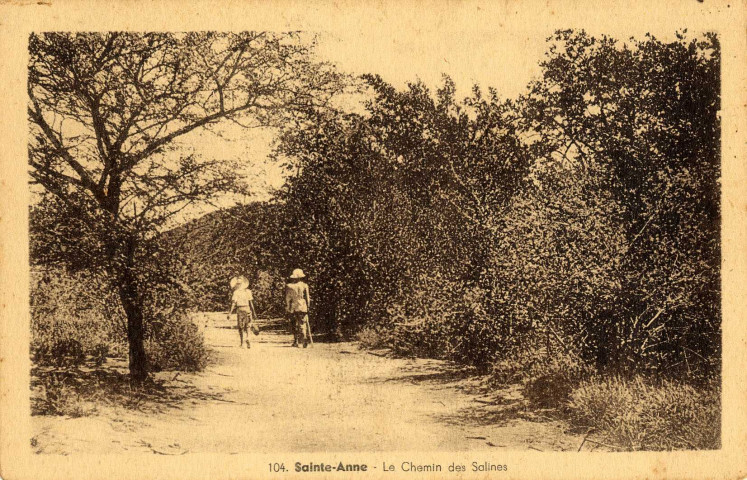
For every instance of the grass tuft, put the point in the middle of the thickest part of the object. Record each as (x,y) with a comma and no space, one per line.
(640,414)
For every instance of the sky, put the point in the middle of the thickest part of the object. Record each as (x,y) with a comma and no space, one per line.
(504,60)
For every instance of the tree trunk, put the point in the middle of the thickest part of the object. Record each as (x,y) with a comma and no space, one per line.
(138,362)
(129,297)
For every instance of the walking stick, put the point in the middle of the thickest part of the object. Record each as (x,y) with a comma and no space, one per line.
(308,329)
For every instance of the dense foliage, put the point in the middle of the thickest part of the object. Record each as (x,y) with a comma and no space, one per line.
(581,219)
(76,320)
(70,321)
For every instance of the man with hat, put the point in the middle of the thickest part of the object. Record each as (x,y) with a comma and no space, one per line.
(243,301)
(297,307)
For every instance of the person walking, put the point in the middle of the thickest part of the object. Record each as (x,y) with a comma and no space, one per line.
(297,303)
(242,301)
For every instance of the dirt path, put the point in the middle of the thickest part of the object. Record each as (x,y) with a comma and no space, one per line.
(331,397)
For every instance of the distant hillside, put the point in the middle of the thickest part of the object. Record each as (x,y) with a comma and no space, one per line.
(221,244)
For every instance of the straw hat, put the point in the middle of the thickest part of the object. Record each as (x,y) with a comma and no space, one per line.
(239,281)
(297,273)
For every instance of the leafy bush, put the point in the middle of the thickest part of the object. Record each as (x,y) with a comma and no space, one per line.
(548,375)
(551,380)
(639,414)
(421,337)
(512,366)
(546,211)
(424,323)
(175,343)
(70,321)
(268,288)
(373,337)
(483,328)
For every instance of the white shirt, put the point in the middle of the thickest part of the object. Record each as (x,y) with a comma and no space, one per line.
(241,297)
(297,297)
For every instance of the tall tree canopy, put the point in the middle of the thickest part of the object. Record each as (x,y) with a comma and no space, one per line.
(637,124)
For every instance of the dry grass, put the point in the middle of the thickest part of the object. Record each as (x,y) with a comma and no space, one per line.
(639,414)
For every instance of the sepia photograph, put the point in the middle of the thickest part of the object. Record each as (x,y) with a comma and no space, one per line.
(301,241)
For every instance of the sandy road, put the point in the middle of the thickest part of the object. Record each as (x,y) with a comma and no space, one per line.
(329,397)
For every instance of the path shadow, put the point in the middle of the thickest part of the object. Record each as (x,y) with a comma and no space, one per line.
(430,372)
(490,406)
(78,391)
(483,415)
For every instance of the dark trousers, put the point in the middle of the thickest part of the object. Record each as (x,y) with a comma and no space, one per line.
(299,324)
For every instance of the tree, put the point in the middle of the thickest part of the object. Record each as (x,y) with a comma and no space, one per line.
(412,189)
(639,121)
(107,111)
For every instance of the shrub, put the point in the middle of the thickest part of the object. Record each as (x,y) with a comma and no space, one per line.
(614,246)
(639,414)
(423,326)
(70,321)
(480,329)
(520,362)
(268,287)
(547,370)
(550,381)
(512,366)
(175,343)
(373,337)
(421,337)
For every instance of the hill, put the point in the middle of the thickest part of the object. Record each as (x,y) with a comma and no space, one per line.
(236,241)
